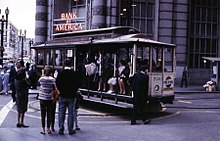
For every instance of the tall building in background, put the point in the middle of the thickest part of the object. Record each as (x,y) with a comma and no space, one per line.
(10,43)
(192,25)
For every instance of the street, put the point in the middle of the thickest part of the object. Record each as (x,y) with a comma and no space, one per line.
(192,117)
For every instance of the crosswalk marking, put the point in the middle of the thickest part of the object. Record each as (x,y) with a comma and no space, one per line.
(5,110)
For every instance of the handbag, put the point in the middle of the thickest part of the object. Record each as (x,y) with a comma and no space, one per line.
(55,94)
(112,81)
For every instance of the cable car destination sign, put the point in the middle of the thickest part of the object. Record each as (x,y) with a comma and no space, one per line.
(69,25)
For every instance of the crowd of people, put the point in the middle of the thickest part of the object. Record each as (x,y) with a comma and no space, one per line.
(122,81)
(64,89)
(21,78)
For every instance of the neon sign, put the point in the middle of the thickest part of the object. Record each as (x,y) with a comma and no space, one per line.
(68,25)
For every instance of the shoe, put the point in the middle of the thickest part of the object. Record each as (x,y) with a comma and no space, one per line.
(42,132)
(49,131)
(72,132)
(147,121)
(134,123)
(53,130)
(77,128)
(25,126)
(18,125)
(109,91)
(61,132)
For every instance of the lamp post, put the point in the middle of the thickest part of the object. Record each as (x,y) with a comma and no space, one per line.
(30,44)
(3,20)
(22,38)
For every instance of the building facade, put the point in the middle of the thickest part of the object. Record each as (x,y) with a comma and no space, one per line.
(193,25)
(12,44)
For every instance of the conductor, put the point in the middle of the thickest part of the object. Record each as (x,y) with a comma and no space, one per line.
(139,84)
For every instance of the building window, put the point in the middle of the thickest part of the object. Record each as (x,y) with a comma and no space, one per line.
(69,16)
(139,14)
(204,34)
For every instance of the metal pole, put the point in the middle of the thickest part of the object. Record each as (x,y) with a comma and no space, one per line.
(2,48)
(30,43)
(22,48)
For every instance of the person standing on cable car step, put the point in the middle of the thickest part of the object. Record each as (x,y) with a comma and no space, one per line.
(139,86)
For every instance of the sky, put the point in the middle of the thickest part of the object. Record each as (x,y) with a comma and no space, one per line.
(21,14)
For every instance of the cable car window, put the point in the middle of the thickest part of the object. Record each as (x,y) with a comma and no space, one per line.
(168,60)
(58,57)
(49,57)
(157,59)
(40,57)
(70,55)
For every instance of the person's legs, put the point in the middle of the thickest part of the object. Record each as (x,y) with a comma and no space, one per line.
(19,120)
(43,113)
(22,121)
(120,82)
(76,120)
(134,114)
(53,115)
(186,82)
(43,116)
(22,118)
(123,87)
(49,112)
(62,114)
(71,115)
(143,108)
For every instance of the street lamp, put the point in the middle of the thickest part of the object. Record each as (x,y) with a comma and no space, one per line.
(31,42)
(3,20)
(22,38)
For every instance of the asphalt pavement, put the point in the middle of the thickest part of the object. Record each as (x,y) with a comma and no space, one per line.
(98,132)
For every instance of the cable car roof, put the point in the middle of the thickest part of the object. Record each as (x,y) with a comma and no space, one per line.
(138,38)
(131,38)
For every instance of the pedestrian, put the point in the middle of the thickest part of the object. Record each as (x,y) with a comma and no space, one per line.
(79,98)
(67,84)
(139,86)
(21,88)
(1,80)
(12,76)
(184,77)
(33,76)
(6,81)
(47,87)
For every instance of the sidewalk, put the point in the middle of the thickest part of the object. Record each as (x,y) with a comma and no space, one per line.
(192,89)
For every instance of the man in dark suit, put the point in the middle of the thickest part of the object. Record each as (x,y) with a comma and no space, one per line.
(139,84)
(67,83)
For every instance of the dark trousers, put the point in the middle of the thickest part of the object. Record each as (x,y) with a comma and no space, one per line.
(139,108)
(184,81)
(46,110)
(53,114)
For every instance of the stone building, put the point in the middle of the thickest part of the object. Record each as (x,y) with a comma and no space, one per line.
(193,25)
